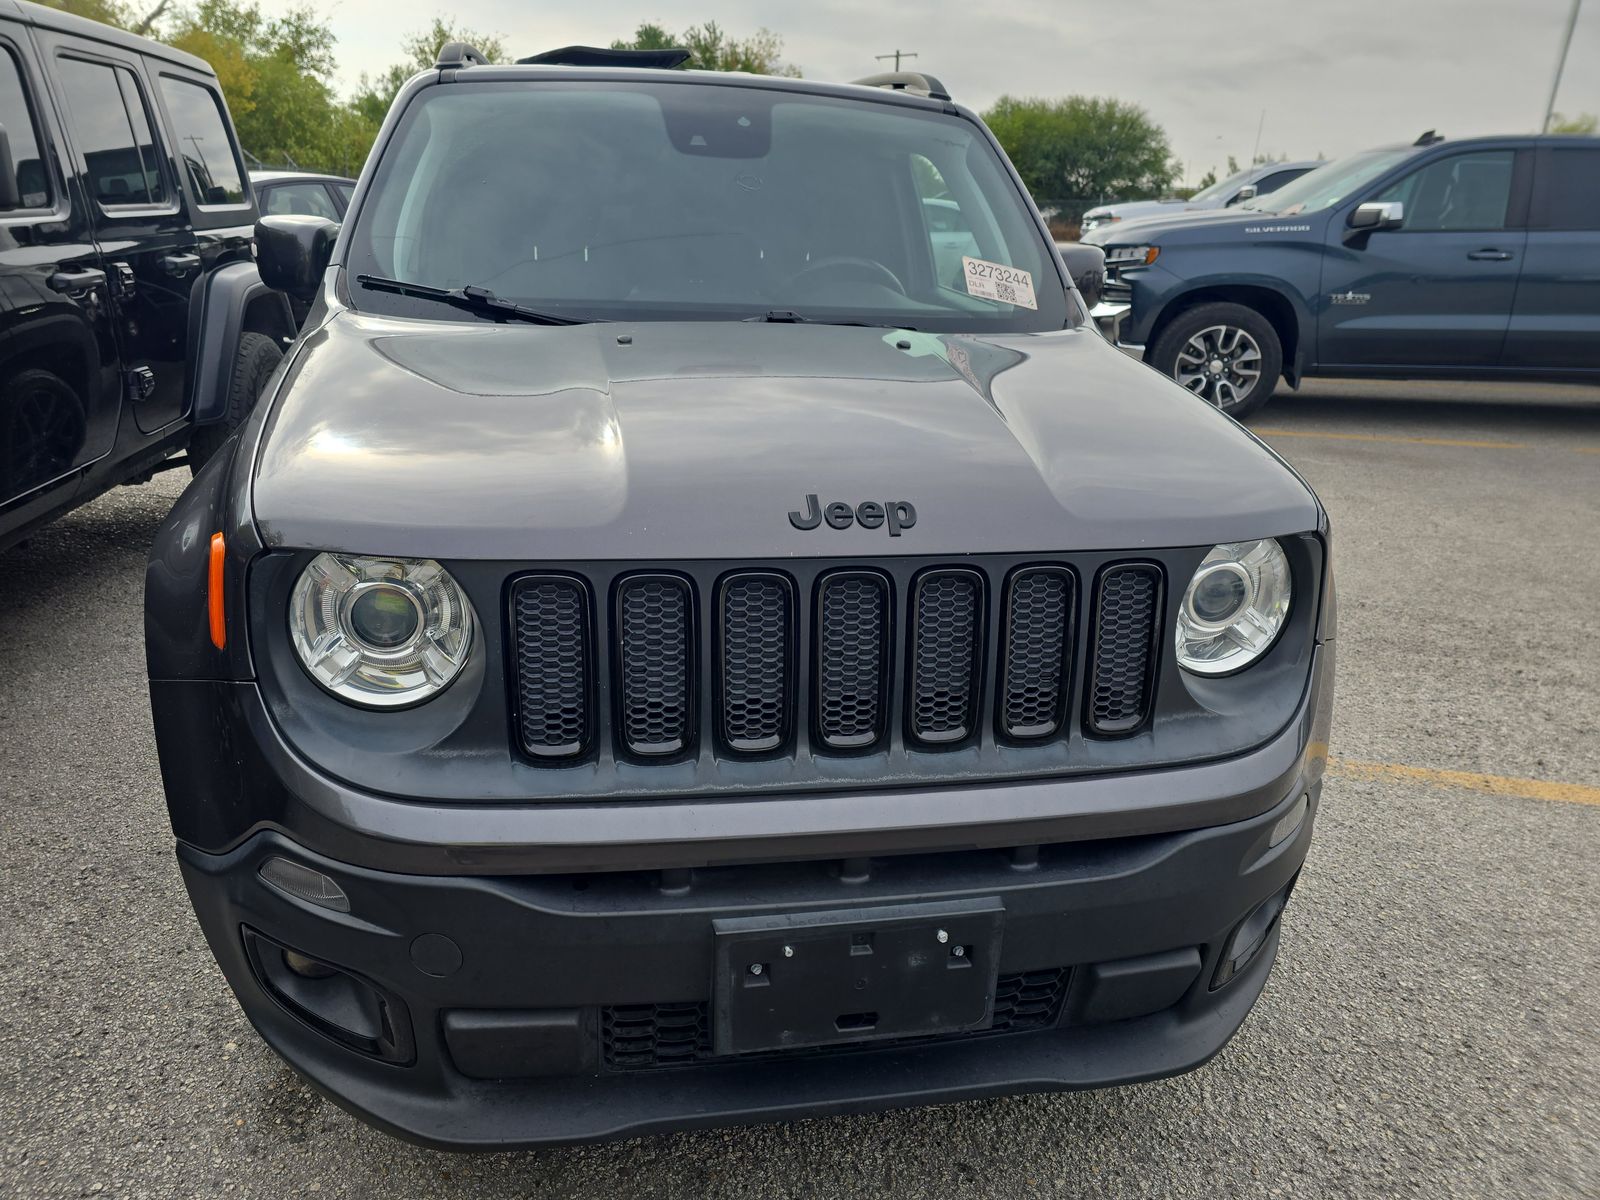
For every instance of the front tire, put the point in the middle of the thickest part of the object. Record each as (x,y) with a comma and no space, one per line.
(258,358)
(1226,354)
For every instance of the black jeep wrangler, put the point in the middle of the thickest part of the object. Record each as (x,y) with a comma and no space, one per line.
(666,653)
(133,323)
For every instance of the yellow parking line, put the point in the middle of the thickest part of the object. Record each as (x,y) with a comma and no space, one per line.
(1375,437)
(1494,785)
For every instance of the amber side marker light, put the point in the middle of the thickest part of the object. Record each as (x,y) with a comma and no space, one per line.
(219,624)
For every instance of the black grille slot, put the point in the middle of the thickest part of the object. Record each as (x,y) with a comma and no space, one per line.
(1037,653)
(1031,1000)
(852,659)
(1126,615)
(945,655)
(644,1037)
(635,1036)
(757,676)
(550,630)
(654,697)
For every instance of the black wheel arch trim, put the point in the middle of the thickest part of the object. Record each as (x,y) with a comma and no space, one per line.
(217,319)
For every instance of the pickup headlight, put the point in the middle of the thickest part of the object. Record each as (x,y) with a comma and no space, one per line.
(380,632)
(1131,256)
(1234,607)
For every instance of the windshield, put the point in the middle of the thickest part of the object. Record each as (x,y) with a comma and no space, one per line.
(1324,186)
(691,201)
(1217,190)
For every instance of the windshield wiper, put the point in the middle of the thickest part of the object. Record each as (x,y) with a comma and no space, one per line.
(783,316)
(473,299)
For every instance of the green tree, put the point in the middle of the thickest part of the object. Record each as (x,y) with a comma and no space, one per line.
(421,50)
(139,19)
(1206,180)
(1080,151)
(1584,124)
(711,49)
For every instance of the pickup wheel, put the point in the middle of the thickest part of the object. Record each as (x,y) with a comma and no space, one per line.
(1224,353)
(259,357)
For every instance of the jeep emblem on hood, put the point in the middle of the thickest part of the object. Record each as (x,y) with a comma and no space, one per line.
(897,514)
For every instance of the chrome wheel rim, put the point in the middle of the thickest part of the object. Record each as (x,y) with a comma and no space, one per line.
(1220,364)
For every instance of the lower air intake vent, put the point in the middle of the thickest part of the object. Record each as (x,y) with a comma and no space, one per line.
(852,659)
(653,616)
(1037,648)
(1126,612)
(757,654)
(945,655)
(550,629)
(643,1037)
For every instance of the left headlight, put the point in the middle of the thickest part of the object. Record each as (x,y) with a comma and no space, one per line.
(1234,607)
(380,632)
(1131,256)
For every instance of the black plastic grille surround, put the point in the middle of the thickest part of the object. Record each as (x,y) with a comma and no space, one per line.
(655,698)
(757,672)
(1038,646)
(823,662)
(550,634)
(945,655)
(1126,612)
(646,1037)
(852,659)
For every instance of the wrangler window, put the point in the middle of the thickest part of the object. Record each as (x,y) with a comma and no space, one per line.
(18,121)
(112,128)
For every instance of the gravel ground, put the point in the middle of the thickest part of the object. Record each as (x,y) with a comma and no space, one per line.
(1429,1030)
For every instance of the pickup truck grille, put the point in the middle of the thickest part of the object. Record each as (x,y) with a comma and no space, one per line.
(645,665)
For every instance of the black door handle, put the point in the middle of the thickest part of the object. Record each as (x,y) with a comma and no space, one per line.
(1490,256)
(179,264)
(76,281)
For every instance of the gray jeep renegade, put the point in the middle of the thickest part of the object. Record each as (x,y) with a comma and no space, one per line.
(668,650)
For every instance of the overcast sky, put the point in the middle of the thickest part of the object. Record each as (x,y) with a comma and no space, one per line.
(1333,76)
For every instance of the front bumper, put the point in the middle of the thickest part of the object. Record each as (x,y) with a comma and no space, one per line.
(503,996)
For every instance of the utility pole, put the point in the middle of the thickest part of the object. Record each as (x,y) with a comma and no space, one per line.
(899,54)
(1561,64)
(1260,125)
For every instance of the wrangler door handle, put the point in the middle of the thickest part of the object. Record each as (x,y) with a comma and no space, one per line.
(75,282)
(1490,255)
(180,264)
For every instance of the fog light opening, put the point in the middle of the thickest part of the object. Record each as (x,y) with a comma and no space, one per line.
(1250,936)
(331,1000)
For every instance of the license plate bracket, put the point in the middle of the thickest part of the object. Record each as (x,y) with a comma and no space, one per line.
(857,975)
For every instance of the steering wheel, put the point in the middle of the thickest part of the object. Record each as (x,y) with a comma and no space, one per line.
(867,270)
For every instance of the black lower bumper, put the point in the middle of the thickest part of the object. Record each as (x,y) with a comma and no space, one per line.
(494,1012)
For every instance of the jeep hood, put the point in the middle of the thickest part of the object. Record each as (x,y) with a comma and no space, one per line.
(696,439)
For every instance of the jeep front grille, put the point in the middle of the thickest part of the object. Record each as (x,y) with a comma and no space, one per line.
(819,663)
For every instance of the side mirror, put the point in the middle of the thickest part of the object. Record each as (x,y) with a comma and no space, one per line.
(1376,215)
(10,191)
(1247,192)
(292,252)
(1087,266)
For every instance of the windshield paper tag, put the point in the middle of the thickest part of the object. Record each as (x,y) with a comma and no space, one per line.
(994,281)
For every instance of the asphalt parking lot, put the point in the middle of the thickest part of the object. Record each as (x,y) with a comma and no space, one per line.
(1430,1029)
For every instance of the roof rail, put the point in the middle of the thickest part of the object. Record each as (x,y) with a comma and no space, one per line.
(459,54)
(915,82)
(597,56)
(1429,139)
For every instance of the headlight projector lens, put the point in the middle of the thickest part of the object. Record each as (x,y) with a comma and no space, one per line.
(1234,607)
(380,632)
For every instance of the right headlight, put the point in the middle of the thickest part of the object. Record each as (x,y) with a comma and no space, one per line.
(380,632)
(1234,607)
